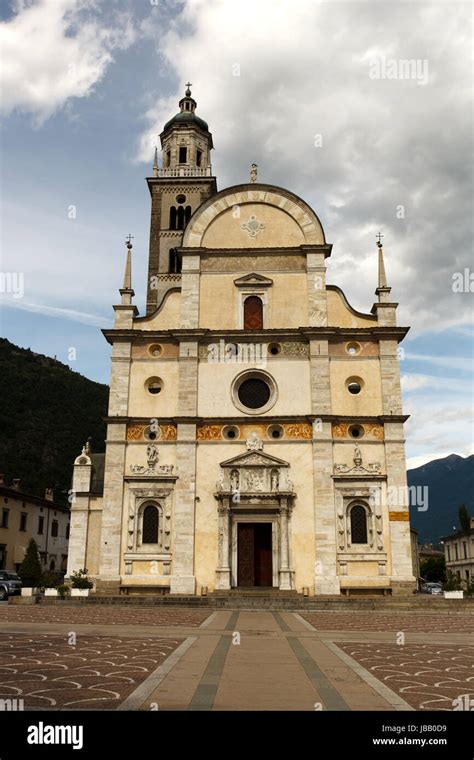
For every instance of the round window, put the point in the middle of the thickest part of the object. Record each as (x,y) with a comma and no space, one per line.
(353,348)
(356,431)
(254,393)
(254,390)
(275,431)
(274,349)
(231,432)
(154,385)
(354,385)
(155,350)
(181,198)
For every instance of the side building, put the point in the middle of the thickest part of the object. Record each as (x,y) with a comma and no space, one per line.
(25,516)
(459,554)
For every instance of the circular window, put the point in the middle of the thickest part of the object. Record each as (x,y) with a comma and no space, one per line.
(353,348)
(231,432)
(275,431)
(155,349)
(354,385)
(356,431)
(254,391)
(274,349)
(154,385)
(152,433)
(181,198)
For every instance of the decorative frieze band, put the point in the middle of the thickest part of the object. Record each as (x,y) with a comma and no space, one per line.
(138,432)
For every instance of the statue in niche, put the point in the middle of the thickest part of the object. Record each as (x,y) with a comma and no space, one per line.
(275,480)
(151,455)
(357,456)
(234,480)
(220,482)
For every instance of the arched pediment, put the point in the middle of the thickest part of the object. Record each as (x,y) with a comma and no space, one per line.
(254,216)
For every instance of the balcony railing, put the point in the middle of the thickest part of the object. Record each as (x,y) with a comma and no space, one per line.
(186,171)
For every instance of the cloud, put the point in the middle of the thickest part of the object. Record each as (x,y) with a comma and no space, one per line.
(270,76)
(53,50)
(69,314)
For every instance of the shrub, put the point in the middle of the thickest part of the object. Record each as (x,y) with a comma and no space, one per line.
(63,589)
(30,569)
(79,579)
(452,583)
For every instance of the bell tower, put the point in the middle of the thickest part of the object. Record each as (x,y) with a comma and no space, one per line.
(181,182)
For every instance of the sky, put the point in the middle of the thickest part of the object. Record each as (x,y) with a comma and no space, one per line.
(362,109)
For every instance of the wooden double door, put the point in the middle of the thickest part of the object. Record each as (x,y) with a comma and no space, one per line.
(254,554)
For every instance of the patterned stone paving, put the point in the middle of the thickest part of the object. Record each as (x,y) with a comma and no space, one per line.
(428,677)
(98,673)
(108,615)
(403,621)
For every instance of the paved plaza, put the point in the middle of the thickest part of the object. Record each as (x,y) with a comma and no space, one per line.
(128,658)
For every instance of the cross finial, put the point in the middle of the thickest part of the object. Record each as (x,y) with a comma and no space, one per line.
(128,241)
(188,89)
(379,237)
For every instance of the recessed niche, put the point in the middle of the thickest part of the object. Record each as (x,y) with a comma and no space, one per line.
(155,350)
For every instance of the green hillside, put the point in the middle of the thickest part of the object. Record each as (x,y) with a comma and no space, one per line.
(47,412)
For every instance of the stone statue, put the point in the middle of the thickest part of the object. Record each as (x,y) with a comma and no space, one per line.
(253,172)
(254,443)
(220,482)
(275,480)
(357,456)
(151,455)
(234,480)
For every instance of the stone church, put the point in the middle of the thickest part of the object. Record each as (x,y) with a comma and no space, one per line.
(255,426)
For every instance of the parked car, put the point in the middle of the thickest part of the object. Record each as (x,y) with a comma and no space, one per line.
(10,584)
(434,588)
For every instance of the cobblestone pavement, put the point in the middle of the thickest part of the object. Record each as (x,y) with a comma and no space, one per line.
(110,615)
(404,621)
(97,673)
(428,677)
(194,659)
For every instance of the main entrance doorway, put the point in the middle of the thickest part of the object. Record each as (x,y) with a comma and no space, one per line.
(254,554)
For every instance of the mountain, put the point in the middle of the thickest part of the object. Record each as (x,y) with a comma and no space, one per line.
(450,483)
(46,415)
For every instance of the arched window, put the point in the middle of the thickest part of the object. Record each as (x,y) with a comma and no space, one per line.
(150,525)
(188,213)
(173,218)
(358,525)
(180,225)
(253,313)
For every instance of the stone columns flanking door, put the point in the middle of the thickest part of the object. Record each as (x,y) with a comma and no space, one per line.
(223,570)
(284,572)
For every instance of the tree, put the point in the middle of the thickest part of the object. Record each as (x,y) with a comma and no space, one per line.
(433,569)
(30,568)
(464,518)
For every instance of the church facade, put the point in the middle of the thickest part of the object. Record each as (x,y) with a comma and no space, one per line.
(255,428)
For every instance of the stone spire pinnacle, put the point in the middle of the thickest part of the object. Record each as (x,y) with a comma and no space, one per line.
(127,291)
(155,163)
(382,289)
